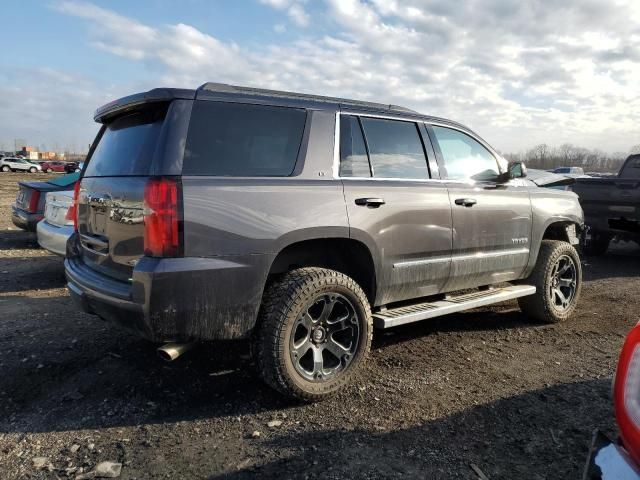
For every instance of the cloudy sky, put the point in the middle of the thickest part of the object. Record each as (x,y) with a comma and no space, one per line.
(517,72)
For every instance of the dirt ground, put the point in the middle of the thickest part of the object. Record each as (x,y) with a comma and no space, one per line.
(488,387)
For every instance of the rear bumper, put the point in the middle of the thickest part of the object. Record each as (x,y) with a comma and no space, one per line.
(25,220)
(53,238)
(175,299)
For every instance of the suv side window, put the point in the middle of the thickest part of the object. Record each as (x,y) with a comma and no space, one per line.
(354,161)
(395,148)
(234,139)
(464,157)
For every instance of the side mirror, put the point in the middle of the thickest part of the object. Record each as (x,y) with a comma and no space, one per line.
(516,170)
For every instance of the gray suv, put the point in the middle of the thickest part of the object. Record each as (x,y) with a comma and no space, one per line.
(302,223)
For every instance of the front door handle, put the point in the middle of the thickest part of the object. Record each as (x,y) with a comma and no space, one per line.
(466,202)
(370,202)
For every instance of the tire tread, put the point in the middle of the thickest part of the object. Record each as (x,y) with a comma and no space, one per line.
(537,306)
(280,298)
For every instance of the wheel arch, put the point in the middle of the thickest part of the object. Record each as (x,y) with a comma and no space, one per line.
(567,229)
(343,254)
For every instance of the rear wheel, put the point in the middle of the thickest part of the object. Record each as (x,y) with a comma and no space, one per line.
(33,169)
(313,333)
(49,170)
(557,277)
(5,168)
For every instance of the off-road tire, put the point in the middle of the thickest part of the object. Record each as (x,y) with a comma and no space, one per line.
(282,303)
(5,168)
(597,245)
(539,306)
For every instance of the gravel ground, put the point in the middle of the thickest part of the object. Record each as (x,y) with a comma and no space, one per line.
(488,387)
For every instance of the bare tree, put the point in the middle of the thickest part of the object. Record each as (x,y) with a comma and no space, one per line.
(567,155)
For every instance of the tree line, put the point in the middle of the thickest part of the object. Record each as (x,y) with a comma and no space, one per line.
(544,157)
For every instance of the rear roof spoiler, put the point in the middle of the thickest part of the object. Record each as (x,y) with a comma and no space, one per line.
(132,102)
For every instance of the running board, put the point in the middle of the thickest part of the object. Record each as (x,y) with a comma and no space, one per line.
(451,304)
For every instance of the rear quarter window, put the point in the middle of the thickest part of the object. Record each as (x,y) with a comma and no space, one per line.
(233,139)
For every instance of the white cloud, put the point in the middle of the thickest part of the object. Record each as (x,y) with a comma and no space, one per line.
(51,107)
(139,36)
(294,9)
(569,76)
(298,15)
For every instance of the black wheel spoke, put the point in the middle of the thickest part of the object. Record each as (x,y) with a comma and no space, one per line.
(325,337)
(306,321)
(318,362)
(301,348)
(341,323)
(563,282)
(336,349)
(329,304)
(567,282)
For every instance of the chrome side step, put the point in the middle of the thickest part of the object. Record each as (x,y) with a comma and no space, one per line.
(451,304)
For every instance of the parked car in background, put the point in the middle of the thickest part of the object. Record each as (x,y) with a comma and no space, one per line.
(16,164)
(70,167)
(30,201)
(569,171)
(57,225)
(611,206)
(302,222)
(620,460)
(53,166)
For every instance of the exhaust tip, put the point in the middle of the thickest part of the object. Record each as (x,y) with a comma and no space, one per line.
(171,351)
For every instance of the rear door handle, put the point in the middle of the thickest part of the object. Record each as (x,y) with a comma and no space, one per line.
(370,202)
(466,202)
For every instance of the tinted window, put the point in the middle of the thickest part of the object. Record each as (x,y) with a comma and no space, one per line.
(395,149)
(232,139)
(631,168)
(127,145)
(353,154)
(465,158)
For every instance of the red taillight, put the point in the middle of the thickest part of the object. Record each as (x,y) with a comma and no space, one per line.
(161,235)
(33,201)
(72,212)
(626,394)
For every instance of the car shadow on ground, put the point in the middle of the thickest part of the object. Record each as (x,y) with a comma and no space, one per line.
(18,239)
(88,362)
(617,262)
(495,437)
(21,274)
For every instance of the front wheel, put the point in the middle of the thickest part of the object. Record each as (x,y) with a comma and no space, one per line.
(33,169)
(49,170)
(314,332)
(5,168)
(557,277)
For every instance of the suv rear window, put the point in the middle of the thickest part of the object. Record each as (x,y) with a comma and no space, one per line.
(127,145)
(233,139)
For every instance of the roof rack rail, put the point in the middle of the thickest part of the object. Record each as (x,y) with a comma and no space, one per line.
(226,88)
